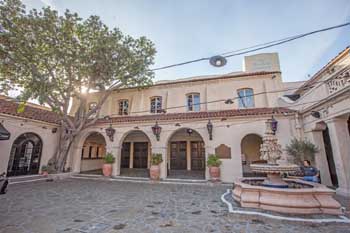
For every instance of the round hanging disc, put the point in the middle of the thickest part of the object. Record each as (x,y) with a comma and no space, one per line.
(218,61)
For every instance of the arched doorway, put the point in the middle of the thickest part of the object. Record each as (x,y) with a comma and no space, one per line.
(186,155)
(92,154)
(135,154)
(25,155)
(250,152)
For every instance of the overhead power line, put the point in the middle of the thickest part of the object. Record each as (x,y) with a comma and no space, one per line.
(255,47)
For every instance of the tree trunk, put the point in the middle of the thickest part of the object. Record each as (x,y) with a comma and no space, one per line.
(57,163)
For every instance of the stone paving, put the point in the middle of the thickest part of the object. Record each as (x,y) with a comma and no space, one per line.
(94,206)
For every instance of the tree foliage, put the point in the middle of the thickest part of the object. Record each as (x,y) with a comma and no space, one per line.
(54,58)
(301,150)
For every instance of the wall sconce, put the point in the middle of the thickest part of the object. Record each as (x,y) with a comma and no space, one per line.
(177,124)
(136,127)
(229,101)
(210,130)
(54,130)
(274,124)
(110,132)
(156,129)
(316,114)
(189,131)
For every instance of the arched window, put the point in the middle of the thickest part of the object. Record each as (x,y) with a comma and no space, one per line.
(123,107)
(156,104)
(193,102)
(246,98)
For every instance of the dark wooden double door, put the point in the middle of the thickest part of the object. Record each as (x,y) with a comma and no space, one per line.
(178,155)
(140,155)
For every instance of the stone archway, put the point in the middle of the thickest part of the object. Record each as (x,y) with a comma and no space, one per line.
(135,154)
(250,152)
(92,153)
(25,155)
(186,155)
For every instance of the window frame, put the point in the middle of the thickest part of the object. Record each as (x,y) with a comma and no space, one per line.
(242,100)
(156,110)
(192,107)
(121,109)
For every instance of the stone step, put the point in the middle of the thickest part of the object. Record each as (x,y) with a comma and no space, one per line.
(27,178)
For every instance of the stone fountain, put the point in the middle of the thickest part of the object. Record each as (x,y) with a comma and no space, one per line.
(293,196)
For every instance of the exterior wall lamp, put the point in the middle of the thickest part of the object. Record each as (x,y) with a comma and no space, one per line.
(156,129)
(189,131)
(110,131)
(316,114)
(210,130)
(274,124)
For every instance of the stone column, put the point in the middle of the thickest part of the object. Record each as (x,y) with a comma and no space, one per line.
(149,154)
(131,161)
(208,150)
(321,161)
(340,139)
(116,151)
(163,165)
(188,154)
(76,158)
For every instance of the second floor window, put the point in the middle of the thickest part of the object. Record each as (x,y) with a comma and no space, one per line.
(156,104)
(193,102)
(123,107)
(246,98)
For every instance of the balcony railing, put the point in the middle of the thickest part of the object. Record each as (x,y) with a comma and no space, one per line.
(339,82)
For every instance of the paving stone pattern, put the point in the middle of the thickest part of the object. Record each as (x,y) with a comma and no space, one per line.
(96,206)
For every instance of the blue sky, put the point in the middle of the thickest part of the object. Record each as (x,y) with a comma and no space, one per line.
(189,29)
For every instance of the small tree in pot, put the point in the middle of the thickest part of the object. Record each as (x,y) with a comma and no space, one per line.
(301,150)
(156,159)
(214,163)
(44,170)
(107,166)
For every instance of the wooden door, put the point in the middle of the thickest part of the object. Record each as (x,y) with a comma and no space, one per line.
(178,159)
(140,154)
(125,156)
(197,156)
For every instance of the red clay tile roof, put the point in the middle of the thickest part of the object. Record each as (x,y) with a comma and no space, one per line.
(10,108)
(199,115)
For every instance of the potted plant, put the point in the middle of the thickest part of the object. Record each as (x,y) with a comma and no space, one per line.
(301,150)
(214,163)
(107,166)
(156,159)
(44,170)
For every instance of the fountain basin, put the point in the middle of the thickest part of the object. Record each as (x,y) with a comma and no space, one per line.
(305,198)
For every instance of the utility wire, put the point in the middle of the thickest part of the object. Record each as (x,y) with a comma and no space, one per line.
(255,47)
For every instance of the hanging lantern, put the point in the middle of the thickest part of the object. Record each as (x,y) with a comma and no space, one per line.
(217,61)
(189,131)
(110,132)
(157,130)
(274,124)
(210,130)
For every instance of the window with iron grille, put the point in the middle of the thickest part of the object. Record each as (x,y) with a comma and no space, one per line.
(193,102)
(123,107)
(156,104)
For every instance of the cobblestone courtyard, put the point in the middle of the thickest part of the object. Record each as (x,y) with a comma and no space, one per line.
(77,205)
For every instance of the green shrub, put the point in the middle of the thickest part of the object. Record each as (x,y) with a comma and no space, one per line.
(44,168)
(156,159)
(213,161)
(301,150)
(109,158)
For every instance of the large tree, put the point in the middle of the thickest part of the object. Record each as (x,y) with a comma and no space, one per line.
(55,58)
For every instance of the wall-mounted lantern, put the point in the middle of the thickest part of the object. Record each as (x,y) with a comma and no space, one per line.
(189,131)
(156,129)
(210,130)
(274,124)
(110,131)
(316,114)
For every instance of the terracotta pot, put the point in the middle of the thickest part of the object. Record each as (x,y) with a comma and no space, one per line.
(214,173)
(154,172)
(107,169)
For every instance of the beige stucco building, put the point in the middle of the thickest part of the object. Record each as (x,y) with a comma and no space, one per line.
(222,114)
